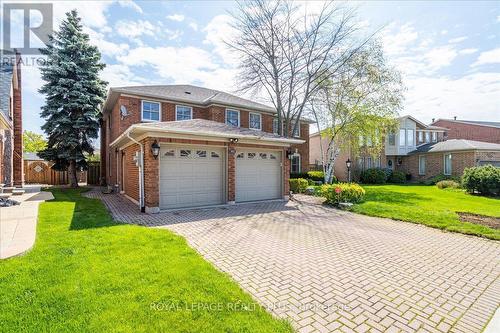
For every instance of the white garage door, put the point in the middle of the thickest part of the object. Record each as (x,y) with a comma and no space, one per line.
(258,175)
(191,176)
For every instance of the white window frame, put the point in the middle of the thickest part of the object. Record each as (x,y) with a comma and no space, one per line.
(402,130)
(239,117)
(434,137)
(427,137)
(298,132)
(412,136)
(300,163)
(420,171)
(444,165)
(277,124)
(142,111)
(420,136)
(184,106)
(393,135)
(250,122)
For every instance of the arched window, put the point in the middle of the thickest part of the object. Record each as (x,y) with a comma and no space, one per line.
(295,164)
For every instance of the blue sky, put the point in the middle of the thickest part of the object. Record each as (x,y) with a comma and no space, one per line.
(448,52)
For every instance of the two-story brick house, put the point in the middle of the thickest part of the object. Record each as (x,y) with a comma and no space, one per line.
(11,131)
(419,150)
(485,131)
(214,147)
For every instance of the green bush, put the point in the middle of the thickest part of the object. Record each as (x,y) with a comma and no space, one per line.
(298,185)
(397,177)
(299,175)
(447,184)
(436,179)
(342,192)
(373,176)
(484,180)
(316,175)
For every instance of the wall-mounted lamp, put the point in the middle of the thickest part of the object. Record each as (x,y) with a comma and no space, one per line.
(233,140)
(155,149)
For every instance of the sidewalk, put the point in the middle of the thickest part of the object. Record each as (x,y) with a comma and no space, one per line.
(18,224)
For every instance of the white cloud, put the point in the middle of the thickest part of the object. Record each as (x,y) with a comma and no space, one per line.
(91,12)
(218,31)
(458,39)
(176,17)
(444,32)
(440,57)
(130,4)
(134,29)
(498,18)
(488,57)
(193,26)
(120,75)
(468,51)
(444,97)
(107,48)
(398,41)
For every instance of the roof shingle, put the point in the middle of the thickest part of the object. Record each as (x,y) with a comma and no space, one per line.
(456,145)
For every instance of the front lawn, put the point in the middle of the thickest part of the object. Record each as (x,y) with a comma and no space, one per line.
(89,274)
(430,206)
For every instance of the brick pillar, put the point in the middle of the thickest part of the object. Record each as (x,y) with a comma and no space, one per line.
(17,158)
(286,175)
(151,178)
(231,173)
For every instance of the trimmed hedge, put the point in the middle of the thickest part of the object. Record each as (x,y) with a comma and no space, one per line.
(298,185)
(373,176)
(397,177)
(342,192)
(483,179)
(447,184)
(316,175)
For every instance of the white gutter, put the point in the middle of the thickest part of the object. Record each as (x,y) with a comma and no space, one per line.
(141,172)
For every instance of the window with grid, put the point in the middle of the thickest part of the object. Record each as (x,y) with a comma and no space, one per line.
(183,112)
(150,111)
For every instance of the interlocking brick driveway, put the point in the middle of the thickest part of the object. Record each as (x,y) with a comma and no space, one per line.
(327,270)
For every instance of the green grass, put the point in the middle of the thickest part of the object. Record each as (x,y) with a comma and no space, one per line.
(89,274)
(430,206)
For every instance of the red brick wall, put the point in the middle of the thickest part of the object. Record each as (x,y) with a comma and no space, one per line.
(488,156)
(435,164)
(17,118)
(131,171)
(459,130)
(151,175)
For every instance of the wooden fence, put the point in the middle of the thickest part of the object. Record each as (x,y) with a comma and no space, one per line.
(39,172)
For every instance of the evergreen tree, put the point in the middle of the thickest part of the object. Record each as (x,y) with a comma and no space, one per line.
(74,93)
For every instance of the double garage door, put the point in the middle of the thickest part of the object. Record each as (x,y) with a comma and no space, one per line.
(196,176)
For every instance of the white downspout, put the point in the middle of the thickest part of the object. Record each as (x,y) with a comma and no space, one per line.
(141,173)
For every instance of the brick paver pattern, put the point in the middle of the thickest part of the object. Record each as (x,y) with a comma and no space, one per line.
(327,270)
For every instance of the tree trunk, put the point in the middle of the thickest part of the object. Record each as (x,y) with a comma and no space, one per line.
(73,181)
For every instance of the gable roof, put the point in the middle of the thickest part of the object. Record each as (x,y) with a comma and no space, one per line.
(456,145)
(187,94)
(205,128)
(474,122)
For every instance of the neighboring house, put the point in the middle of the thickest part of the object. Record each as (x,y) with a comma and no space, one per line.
(11,131)
(422,151)
(486,131)
(214,147)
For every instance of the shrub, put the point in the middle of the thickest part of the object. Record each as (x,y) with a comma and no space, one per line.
(342,192)
(299,175)
(447,184)
(373,176)
(484,180)
(298,185)
(316,175)
(397,177)
(436,179)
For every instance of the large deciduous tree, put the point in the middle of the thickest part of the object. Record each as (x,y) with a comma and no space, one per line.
(33,142)
(356,108)
(73,93)
(287,53)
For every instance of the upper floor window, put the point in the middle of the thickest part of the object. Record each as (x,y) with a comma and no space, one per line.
(427,137)
(275,125)
(410,137)
(183,112)
(402,137)
(296,130)
(150,111)
(434,136)
(392,139)
(255,121)
(420,136)
(233,117)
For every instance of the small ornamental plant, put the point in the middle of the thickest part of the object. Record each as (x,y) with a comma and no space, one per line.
(342,193)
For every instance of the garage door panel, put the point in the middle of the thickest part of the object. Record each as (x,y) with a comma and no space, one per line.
(258,178)
(193,180)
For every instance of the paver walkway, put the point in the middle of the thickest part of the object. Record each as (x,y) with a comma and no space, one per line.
(18,224)
(327,270)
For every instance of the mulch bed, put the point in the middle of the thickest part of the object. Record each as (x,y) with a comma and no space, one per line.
(489,221)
